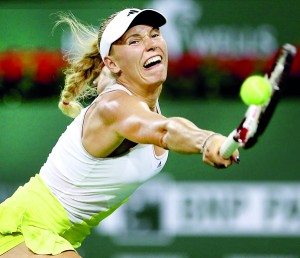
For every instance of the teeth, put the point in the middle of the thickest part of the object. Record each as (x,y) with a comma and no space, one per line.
(152,60)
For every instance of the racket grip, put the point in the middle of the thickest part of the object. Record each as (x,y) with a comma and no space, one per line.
(229,146)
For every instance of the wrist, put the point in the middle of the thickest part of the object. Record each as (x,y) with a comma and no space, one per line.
(206,140)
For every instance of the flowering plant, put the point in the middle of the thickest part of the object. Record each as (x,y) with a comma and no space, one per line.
(39,74)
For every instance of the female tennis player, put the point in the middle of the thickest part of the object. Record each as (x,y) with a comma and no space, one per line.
(112,146)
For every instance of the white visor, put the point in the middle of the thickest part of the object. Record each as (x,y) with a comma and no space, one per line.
(121,23)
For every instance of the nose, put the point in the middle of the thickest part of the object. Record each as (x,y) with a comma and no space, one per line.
(149,43)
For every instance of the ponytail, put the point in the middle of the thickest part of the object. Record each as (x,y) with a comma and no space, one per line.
(84,66)
(84,63)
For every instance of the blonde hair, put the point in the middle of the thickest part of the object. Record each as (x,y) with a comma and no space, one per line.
(85,63)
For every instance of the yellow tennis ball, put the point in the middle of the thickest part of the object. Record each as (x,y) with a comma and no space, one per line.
(255,90)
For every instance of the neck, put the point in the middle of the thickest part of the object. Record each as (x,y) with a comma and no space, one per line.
(148,94)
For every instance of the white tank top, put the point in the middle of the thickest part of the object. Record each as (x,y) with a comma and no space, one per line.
(86,185)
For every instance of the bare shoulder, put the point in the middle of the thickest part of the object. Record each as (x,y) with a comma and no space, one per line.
(117,104)
(105,120)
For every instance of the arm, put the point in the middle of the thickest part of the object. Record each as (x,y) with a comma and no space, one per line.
(131,119)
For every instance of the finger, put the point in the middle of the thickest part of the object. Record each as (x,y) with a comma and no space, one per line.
(208,162)
(236,157)
(224,163)
(217,164)
(95,82)
(222,166)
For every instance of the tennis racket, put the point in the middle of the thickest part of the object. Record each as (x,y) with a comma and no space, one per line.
(257,118)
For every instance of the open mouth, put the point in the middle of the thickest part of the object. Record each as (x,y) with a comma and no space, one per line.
(152,61)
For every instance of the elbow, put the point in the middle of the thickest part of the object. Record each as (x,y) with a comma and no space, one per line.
(167,133)
(163,142)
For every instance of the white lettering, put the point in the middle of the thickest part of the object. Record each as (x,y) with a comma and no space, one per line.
(234,41)
(163,208)
(185,32)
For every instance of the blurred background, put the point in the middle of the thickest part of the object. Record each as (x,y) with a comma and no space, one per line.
(190,210)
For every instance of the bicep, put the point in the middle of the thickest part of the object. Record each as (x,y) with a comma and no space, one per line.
(131,119)
(142,127)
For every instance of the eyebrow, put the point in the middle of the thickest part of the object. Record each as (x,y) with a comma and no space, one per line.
(139,35)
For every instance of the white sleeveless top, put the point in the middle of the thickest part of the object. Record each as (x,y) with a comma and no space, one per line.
(86,185)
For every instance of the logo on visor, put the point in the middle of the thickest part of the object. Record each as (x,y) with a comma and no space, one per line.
(132,12)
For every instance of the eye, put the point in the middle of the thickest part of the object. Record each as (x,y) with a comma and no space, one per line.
(134,42)
(155,33)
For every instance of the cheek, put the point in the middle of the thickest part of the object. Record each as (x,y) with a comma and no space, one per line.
(163,44)
(126,58)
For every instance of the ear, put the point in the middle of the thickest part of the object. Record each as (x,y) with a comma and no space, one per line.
(111,64)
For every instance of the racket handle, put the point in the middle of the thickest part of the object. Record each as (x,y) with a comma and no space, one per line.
(229,146)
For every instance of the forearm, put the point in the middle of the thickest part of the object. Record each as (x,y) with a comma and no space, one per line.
(183,136)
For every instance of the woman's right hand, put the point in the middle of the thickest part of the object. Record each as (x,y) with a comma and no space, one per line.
(104,79)
(211,153)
